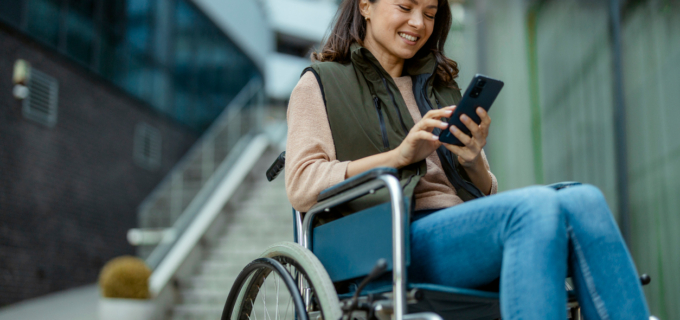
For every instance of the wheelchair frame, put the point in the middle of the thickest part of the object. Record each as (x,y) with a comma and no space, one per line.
(368,183)
(398,247)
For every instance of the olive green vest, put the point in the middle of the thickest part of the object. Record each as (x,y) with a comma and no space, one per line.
(367,116)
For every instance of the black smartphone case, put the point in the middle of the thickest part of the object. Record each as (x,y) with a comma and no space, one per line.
(481,92)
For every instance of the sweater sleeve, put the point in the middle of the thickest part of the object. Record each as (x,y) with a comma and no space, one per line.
(494,182)
(311,164)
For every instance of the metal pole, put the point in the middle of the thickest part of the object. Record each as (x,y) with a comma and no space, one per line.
(398,246)
(620,141)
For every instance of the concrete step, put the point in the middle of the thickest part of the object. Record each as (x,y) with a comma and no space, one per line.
(241,238)
(261,217)
(220,268)
(247,216)
(259,227)
(235,255)
(197,312)
(208,282)
(204,296)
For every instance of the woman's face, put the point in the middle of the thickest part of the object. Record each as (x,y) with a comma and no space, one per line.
(398,28)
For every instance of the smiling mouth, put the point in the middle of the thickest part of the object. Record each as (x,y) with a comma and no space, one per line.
(408,37)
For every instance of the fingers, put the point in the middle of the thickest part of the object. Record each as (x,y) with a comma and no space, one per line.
(425,135)
(462,137)
(486,121)
(457,150)
(471,125)
(429,124)
(439,113)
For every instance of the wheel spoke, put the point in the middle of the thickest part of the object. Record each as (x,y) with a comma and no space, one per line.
(276,315)
(263,290)
(290,298)
(278,277)
(265,312)
(252,311)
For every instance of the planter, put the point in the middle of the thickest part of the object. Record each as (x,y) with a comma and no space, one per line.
(128,309)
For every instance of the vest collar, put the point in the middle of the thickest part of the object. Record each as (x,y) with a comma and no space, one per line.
(415,66)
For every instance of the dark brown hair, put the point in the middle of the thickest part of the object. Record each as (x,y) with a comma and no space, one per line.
(350,27)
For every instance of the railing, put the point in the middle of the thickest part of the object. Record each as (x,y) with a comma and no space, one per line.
(167,212)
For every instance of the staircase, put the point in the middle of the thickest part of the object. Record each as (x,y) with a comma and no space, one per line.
(260,217)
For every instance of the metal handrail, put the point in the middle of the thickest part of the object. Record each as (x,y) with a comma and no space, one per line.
(174,202)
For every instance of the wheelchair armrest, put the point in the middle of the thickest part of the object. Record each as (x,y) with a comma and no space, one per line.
(356,181)
(562,185)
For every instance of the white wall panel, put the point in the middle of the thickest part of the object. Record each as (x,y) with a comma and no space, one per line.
(245,23)
(309,20)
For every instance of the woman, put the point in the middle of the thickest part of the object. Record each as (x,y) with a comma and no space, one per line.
(374,98)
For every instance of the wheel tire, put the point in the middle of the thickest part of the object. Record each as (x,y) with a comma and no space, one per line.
(249,284)
(313,270)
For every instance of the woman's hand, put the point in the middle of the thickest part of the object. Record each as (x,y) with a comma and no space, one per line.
(420,142)
(469,155)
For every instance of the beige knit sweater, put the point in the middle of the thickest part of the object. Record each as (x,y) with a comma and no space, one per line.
(311,164)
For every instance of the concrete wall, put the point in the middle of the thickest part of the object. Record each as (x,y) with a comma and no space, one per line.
(651,47)
(497,28)
(68,194)
(554,119)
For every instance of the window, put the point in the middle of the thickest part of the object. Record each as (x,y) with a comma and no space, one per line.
(43,20)
(80,30)
(164,52)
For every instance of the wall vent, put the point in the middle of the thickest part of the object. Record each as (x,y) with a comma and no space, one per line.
(41,103)
(147,146)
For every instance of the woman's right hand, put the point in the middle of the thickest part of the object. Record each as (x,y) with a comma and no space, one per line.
(420,142)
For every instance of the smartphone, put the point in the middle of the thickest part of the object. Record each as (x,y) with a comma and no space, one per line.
(481,92)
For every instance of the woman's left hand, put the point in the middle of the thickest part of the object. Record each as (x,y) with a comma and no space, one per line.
(469,155)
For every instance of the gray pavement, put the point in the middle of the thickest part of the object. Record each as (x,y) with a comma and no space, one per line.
(74,304)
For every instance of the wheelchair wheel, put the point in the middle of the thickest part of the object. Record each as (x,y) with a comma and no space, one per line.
(265,291)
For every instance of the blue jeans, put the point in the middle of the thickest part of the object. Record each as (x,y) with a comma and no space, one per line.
(532,238)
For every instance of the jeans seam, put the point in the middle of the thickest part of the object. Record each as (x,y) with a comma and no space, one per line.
(587,277)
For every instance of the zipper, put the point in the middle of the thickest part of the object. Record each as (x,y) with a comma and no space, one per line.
(394,102)
(411,178)
(383,129)
(440,106)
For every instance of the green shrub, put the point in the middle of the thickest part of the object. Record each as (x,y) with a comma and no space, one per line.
(125,277)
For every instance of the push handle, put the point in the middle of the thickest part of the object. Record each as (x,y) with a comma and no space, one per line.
(276,167)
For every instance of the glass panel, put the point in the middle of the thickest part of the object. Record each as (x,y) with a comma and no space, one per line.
(113,14)
(135,76)
(139,24)
(43,20)
(191,82)
(113,57)
(80,30)
(11,12)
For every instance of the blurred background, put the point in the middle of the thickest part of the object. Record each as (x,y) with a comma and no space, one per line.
(143,127)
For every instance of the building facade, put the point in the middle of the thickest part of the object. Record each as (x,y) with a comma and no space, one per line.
(590,96)
(116,93)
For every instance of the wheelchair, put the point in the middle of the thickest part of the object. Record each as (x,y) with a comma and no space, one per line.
(324,273)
